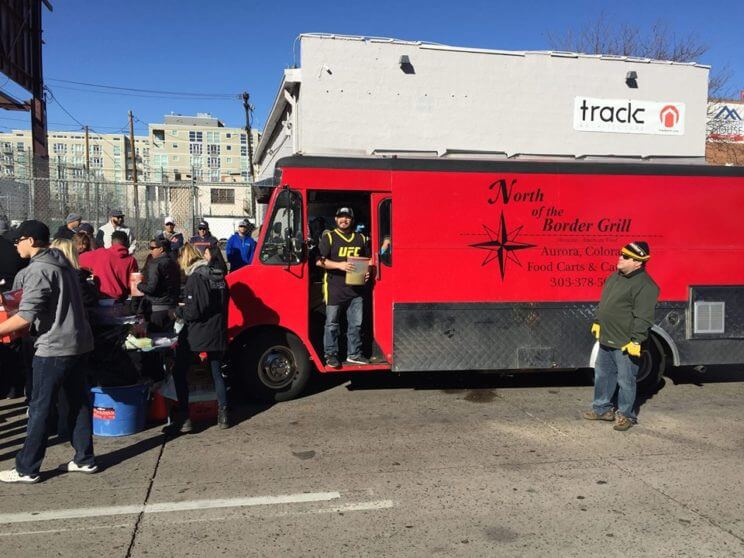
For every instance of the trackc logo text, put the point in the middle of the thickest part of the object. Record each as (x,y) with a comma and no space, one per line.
(626,116)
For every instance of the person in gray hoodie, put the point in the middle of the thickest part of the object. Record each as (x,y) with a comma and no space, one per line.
(52,303)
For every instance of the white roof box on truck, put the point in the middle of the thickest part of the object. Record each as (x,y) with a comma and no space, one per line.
(355,96)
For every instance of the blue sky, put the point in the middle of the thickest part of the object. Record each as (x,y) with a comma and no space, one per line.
(227,46)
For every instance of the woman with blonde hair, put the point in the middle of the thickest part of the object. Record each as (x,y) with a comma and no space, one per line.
(88,287)
(204,313)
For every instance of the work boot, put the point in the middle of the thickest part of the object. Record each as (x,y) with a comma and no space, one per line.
(622,423)
(608,416)
(222,419)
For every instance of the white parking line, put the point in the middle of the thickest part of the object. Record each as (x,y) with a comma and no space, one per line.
(164,507)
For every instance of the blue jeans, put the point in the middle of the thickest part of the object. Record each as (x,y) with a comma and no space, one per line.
(49,375)
(184,359)
(615,369)
(354,311)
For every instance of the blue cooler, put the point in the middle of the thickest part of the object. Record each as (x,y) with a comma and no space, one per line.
(119,411)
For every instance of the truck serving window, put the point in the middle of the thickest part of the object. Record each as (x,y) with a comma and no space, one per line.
(385,247)
(283,243)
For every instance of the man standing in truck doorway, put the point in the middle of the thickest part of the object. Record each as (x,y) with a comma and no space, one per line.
(334,248)
(624,318)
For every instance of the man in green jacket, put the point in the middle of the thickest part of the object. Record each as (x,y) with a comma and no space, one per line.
(624,318)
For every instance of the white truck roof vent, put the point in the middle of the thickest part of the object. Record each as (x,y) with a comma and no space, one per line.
(710,317)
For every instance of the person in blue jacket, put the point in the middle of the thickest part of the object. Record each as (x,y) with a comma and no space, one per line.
(241,246)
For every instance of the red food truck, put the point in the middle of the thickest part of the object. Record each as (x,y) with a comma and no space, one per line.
(492,265)
(505,184)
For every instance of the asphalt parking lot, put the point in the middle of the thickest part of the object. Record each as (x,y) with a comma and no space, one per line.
(414,465)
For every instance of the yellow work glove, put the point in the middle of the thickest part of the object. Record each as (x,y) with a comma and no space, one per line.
(633,349)
(595,330)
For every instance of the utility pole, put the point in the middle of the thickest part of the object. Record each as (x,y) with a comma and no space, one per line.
(87,172)
(195,198)
(133,154)
(247,108)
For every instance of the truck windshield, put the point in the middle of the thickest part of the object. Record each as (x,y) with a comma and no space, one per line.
(284,239)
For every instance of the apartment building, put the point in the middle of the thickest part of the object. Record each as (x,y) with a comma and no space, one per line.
(108,155)
(201,149)
(202,164)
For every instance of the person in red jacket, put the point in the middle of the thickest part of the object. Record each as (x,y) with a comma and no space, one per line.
(111,266)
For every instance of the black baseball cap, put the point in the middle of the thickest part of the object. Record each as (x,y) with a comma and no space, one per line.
(32,229)
(116,213)
(203,225)
(345,211)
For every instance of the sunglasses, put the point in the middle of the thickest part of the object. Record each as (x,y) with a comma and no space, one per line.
(626,257)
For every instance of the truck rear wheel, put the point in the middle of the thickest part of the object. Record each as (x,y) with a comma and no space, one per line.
(276,367)
(652,365)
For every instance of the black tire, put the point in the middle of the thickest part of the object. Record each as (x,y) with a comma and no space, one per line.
(652,365)
(275,367)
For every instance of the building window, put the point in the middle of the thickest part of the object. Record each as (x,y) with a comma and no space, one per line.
(19,146)
(96,162)
(60,148)
(174,145)
(174,132)
(214,162)
(228,147)
(197,162)
(195,148)
(243,151)
(228,161)
(214,175)
(195,136)
(95,149)
(223,195)
(243,138)
(213,137)
(213,149)
(228,136)
(175,157)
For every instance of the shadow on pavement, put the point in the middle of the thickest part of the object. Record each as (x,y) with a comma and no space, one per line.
(709,374)
(469,380)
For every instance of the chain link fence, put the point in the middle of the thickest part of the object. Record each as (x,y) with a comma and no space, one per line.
(51,199)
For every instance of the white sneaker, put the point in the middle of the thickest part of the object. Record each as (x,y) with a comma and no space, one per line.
(14,476)
(73,467)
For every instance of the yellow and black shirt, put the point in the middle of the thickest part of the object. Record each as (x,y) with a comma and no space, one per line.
(337,247)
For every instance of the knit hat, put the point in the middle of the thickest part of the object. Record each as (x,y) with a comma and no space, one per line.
(637,251)
(72,217)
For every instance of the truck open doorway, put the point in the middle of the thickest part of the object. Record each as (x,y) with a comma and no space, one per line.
(321,211)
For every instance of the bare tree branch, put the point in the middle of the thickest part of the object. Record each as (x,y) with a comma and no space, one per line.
(601,36)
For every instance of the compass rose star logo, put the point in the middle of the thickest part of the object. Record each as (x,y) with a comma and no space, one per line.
(502,245)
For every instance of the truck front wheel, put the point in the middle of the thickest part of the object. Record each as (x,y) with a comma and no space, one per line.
(277,367)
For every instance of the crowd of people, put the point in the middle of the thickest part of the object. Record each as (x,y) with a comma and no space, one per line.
(63,279)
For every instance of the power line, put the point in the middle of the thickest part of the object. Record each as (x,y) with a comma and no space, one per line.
(67,112)
(146,95)
(156,91)
(67,124)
